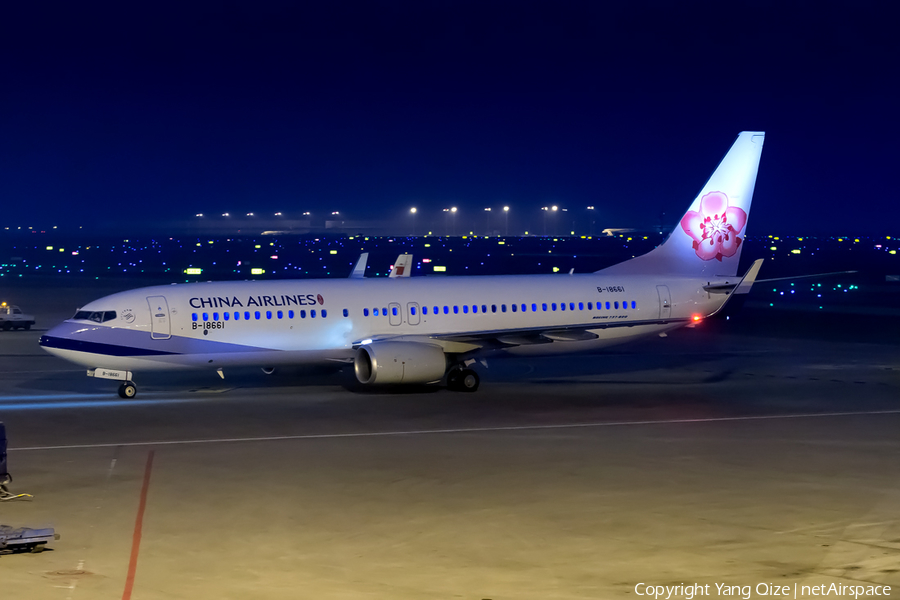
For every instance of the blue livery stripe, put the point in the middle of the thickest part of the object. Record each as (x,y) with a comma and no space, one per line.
(97,347)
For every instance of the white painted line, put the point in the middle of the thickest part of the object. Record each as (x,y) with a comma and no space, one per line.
(362,434)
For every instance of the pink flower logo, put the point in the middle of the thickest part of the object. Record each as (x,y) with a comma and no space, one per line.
(715,228)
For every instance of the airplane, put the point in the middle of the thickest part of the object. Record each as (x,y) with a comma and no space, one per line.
(424,330)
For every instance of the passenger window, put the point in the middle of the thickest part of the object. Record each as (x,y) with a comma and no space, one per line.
(571,306)
(590,306)
(312,314)
(524,308)
(483,308)
(193,316)
(514,307)
(446,310)
(616,304)
(302,314)
(465,309)
(493,308)
(269,314)
(424,310)
(534,308)
(375,311)
(279,314)
(474,309)
(562,306)
(365,312)
(206,316)
(607,306)
(553,306)
(633,304)
(247,315)
(436,311)
(455,310)
(544,306)
(226,315)
(394,310)
(256,315)
(237,316)
(215,316)
(346,313)
(502,308)
(324,313)
(384,311)
(290,314)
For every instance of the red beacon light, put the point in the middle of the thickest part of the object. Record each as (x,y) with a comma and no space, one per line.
(695,318)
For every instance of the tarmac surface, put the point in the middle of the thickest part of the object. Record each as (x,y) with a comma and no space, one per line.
(726,453)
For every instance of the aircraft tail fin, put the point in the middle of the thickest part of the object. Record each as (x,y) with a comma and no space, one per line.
(402,266)
(707,240)
(359,269)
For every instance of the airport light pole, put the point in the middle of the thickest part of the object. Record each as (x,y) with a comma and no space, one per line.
(413,212)
(506,220)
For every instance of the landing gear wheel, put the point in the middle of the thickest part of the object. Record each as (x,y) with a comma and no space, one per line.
(128,390)
(268,370)
(463,380)
(469,381)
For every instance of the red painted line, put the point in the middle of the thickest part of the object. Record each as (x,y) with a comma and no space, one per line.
(138,526)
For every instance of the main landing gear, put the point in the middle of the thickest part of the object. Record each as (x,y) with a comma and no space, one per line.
(463,380)
(127,390)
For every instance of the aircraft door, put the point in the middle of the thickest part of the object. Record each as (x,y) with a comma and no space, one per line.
(412,313)
(159,318)
(665,301)
(395,315)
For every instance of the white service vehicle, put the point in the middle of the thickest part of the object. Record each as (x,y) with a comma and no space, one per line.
(12,317)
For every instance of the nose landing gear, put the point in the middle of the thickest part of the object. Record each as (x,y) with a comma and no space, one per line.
(127,390)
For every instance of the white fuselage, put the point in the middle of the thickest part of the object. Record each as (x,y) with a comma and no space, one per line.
(269,323)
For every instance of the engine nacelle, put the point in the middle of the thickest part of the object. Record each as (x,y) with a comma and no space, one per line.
(399,362)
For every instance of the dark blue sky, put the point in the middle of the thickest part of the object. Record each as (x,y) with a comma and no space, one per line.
(141,112)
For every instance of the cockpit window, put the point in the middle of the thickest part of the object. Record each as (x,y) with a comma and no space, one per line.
(97,316)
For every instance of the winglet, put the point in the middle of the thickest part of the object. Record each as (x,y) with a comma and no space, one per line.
(402,266)
(359,270)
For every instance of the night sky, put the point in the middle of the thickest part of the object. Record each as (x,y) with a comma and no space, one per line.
(140,112)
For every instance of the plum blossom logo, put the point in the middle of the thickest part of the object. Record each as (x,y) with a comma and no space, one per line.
(715,228)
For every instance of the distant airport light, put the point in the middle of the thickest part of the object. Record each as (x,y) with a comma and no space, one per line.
(438,269)
(453,210)
(426,260)
(501,242)
(249,214)
(335,213)
(795,252)
(306,214)
(193,271)
(773,248)
(257,246)
(554,208)
(274,257)
(505,209)
(278,214)
(426,245)
(226,215)
(488,209)
(49,247)
(333,252)
(199,214)
(257,271)
(590,208)
(556,269)
(413,210)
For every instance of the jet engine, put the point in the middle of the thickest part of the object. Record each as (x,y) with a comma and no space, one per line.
(399,362)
